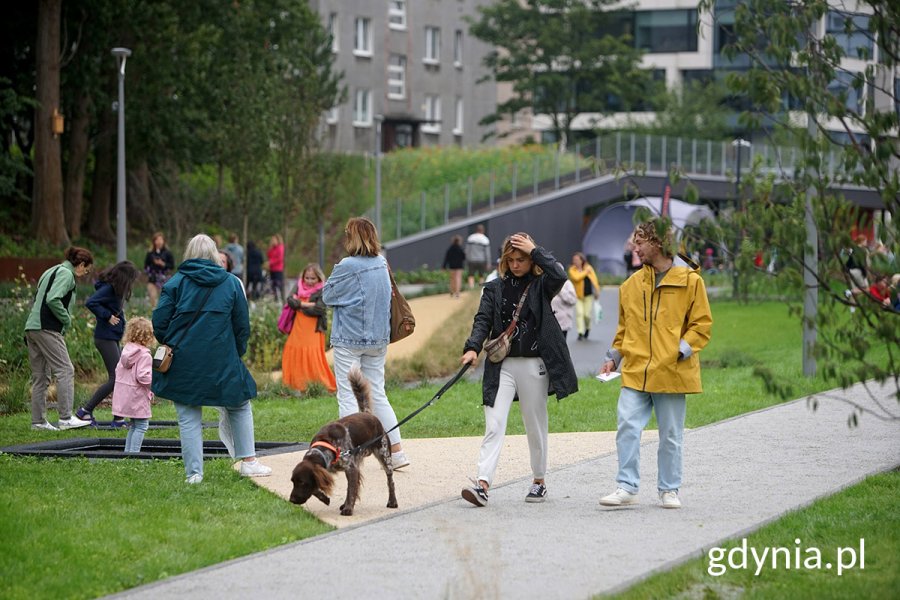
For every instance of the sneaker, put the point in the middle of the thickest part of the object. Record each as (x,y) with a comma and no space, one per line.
(619,498)
(44,426)
(670,499)
(194,479)
(254,469)
(72,423)
(86,415)
(399,460)
(537,493)
(476,494)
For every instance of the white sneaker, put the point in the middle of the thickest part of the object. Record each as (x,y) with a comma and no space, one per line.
(72,422)
(399,460)
(670,499)
(44,426)
(619,498)
(194,479)
(254,469)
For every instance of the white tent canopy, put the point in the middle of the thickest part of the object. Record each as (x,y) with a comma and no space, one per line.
(604,241)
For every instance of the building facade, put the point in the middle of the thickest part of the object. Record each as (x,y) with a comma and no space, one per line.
(409,66)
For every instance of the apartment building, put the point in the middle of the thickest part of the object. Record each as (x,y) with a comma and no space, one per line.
(682,45)
(410,65)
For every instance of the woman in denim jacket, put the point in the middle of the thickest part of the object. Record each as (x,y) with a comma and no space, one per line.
(359,291)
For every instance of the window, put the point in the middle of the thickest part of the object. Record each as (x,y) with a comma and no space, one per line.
(397,14)
(432,45)
(362,40)
(458,49)
(666,30)
(334,31)
(331,115)
(432,114)
(846,85)
(851,34)
(458,127)
(397,77)
(362,108)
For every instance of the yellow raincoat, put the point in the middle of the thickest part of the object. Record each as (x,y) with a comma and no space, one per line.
(653,321)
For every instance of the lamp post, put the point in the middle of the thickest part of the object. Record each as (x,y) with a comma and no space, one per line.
(121,55)
(739,204)
(378,120)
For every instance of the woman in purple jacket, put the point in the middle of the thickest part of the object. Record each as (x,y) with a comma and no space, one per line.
(107,303)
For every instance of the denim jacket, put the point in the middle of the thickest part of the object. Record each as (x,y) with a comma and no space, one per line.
(359,290)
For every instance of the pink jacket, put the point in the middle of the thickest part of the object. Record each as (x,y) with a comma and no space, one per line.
(132,395)
(276,258)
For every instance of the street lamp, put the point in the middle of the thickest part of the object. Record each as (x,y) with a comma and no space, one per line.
(378,120)
(121,55)
(739,202)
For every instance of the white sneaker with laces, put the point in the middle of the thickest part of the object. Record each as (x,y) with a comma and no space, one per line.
(194,479)
(399,460)
(670,499)
(72,422)
(254,469)
(619,497)
(45,426)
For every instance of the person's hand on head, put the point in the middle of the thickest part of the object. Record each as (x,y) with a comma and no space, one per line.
(520,242)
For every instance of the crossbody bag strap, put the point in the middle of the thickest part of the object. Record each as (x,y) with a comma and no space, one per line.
(197,312)
(518,311)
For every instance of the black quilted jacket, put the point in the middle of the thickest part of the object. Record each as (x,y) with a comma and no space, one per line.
(551,343)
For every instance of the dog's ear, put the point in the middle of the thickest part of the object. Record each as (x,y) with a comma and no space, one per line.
(324,479)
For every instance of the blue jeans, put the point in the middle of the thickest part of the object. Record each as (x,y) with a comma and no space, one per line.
(190,427)
(371,363)
(135,437)
(633,415)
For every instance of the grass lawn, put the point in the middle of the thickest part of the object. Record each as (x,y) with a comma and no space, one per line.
(865,511)
(78,528)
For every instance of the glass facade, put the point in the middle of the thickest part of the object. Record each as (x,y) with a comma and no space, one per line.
(851,32)
(666,30)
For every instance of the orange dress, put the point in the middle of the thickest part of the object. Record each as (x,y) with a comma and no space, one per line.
(303,360)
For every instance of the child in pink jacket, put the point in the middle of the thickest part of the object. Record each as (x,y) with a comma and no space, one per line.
(134,373)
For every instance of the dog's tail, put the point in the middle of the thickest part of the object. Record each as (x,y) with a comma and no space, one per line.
(361,389)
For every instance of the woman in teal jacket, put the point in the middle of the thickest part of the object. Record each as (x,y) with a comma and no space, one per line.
(207,369)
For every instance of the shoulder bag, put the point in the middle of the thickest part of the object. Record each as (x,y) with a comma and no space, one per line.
(498,348)
(403,323)
(162,358)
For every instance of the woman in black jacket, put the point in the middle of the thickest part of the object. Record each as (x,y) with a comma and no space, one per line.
(454,261)
(112,290)
(538,363)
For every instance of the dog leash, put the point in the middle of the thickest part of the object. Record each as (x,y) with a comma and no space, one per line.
(434,399)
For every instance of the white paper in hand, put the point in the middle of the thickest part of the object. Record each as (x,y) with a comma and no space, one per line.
(604,377)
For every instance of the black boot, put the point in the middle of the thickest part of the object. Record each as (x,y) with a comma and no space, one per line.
(587,332)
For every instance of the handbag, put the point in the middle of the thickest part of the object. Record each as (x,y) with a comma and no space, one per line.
(403,323)
(165,354)
(498,348)
(286,320)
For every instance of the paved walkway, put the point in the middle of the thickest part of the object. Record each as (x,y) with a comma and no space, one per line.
(739,475)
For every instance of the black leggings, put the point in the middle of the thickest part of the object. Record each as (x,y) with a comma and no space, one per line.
(109,350)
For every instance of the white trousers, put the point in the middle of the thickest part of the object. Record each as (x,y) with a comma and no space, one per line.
(528,378)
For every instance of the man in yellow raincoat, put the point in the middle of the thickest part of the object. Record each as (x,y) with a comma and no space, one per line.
(664,322)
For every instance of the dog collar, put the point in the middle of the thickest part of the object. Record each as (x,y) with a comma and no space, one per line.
(330,447)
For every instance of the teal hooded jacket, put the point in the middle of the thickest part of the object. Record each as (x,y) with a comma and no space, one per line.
(207,369)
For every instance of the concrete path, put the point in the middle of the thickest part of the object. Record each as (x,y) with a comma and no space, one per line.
(739,474)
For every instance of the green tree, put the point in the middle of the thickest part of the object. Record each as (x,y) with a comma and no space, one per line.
(562,57)
(800,73)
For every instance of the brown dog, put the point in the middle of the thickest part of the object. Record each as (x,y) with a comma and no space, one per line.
(329,452)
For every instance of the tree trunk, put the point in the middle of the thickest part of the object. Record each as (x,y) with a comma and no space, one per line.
(98,225)
(75,169)
(141,213)
(47,214)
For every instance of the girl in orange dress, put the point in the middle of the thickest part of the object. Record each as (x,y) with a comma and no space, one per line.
(303,360)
